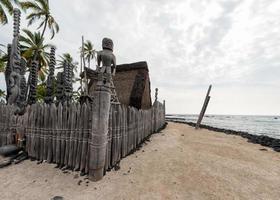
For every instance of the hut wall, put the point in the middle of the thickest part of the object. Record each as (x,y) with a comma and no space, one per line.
(132,84)
(124,82)
(146,98)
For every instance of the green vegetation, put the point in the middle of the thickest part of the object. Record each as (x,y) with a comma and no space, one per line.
(6,5)
(40,10)
(31,45)
(89,52)
(34,46)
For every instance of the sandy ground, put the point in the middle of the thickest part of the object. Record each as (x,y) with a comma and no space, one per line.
(178,163)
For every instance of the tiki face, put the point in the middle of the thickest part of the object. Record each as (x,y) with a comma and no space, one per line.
(107,43)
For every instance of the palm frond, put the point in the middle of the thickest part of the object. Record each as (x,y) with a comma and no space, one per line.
(40,11)
(8,5)
(3,16)
(30,5)
(44,4)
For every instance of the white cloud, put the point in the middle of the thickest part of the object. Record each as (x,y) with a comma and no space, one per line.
(232,44)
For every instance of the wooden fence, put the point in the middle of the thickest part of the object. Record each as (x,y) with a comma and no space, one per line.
(129,127)
(62,134)
(7,125)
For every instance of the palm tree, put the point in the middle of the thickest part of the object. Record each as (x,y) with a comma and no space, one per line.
(41,91)
(89,51)
(32,45)
(6,5)
(2,59)
(41,11)
(67,58)
(2,96)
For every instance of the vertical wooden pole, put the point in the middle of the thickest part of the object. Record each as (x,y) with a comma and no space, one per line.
(204,107)
(99,132)
(164,112)
(84,64)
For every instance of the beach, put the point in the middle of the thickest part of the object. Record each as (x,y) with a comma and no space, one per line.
(177,163)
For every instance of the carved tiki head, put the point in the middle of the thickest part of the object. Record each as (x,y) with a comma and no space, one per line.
(107,43)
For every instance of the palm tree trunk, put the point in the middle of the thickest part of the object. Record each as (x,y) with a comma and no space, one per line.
(45,26)
(88,62)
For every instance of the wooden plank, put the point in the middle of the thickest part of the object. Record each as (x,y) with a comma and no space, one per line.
(84,137)
(124,131)
(114,121)
(29,131)
(46,131)
(39,141)
(79,137)
(67,134)
(88,136)
(109,144)
(204,107)
(59,134)
(72,118)
(1,123)
(33,132)
(25,125)
(63,134)
(52,138)
(118,131)
(135,136)
(3,131)
(6,124)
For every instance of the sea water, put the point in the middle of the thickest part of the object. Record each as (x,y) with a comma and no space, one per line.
(258,125)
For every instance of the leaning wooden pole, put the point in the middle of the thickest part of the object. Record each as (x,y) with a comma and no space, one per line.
(100,122)
(204,107)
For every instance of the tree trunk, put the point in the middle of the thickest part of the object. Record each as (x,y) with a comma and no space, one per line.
(45,25)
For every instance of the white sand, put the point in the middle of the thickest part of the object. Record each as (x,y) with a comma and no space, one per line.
(179,163)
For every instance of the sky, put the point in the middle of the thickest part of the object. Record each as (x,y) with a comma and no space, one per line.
(188,45)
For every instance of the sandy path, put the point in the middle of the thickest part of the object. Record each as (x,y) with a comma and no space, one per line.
(179,163)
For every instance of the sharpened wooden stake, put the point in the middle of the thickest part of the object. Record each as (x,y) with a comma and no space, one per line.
(204,107)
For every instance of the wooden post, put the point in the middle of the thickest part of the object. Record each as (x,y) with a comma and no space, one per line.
(164,112)
(204,107)
(100,122)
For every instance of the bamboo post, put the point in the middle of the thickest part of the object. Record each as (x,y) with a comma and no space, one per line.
(204,107)
(99,132)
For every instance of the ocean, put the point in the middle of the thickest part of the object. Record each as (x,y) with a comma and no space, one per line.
(257,125)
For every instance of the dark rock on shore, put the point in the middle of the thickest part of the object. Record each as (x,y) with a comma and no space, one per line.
(263,140)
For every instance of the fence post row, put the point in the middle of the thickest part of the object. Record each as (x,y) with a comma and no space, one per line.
(90,138)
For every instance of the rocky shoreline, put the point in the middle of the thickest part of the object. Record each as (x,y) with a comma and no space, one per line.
(263,140)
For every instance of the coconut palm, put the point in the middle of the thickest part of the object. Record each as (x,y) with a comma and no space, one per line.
(6,5)
(2,59)
(67,58)
(32,45)
(89,51)
(2,96)
(41,92)
(40,10)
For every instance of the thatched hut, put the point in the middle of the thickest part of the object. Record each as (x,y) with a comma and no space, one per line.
(132,83)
